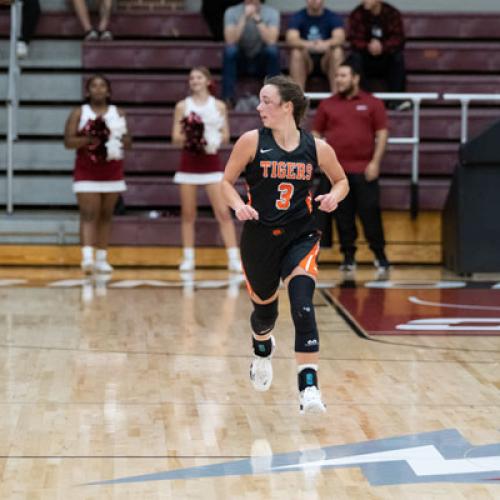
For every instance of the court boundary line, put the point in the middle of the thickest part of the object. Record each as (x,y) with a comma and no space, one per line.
(356,328)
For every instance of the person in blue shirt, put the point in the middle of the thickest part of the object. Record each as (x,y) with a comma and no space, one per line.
(315,36)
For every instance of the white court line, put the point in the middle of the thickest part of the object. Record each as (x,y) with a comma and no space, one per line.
(420,302)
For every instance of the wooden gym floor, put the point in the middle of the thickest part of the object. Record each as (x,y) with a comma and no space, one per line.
(140,391)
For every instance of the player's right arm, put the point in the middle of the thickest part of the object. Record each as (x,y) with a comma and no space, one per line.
(242,154)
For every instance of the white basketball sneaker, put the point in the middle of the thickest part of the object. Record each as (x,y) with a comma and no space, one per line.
(261,370)
(310,400)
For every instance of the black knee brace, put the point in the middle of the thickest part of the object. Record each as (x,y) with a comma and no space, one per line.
(264,317)
(300,292)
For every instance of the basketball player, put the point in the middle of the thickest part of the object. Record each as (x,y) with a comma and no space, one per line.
(280,239)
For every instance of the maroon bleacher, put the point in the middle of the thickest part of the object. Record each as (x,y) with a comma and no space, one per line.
(140,230)
(190,25)
(165,230)
(436,159)
(170,88)
(149,61)
(436,124)
(436,57)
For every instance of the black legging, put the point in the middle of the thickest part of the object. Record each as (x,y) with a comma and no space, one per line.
(29,20)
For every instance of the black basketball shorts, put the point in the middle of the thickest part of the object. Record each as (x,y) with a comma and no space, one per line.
(269,254)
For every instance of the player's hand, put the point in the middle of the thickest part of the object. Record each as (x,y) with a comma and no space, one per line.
(246,212)
(327,202)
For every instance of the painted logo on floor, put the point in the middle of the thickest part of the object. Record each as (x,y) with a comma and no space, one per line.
(440,456)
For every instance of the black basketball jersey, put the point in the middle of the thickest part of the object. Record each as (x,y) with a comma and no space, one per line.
(279,181)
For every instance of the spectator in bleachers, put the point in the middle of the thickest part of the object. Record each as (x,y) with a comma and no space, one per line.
(377,39)
(354,123)
(90,33)
(29,21)
(315,35)
(201,126)
(213,13)
(98,132)
(251,32)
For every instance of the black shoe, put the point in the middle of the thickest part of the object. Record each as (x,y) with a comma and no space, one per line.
(348,265)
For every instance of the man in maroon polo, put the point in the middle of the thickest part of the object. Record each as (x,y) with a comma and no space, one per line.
(354,123)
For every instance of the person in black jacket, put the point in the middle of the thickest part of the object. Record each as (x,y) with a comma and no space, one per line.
(213,13)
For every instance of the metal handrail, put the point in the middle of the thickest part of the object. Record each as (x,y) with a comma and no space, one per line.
(465,99)
(414,140)
(12,101)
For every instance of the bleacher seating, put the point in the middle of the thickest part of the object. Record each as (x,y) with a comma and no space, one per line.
(148,63)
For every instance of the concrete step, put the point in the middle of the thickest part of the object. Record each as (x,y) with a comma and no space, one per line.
(42,227)
(50,54)
(32,156)
(51,87)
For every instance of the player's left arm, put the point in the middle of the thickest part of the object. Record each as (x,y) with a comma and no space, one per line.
(331,166)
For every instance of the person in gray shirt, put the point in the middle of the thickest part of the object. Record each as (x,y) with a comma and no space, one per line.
(251,33)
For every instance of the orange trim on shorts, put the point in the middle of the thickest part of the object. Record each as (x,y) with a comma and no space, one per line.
(308,263)
(247,283)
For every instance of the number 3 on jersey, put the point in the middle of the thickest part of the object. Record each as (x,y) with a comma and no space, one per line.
(286,192)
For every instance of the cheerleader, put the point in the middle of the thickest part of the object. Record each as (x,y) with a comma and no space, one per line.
(97,130)
(200,127)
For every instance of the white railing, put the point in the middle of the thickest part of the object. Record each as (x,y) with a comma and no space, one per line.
(465,99)
(414,140)
(12,100)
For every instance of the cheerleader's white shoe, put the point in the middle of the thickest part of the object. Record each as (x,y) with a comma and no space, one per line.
(187,265)
(101,266)
(234,265)
(87,266)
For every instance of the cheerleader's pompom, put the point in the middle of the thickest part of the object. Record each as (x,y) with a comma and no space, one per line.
(193,128)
